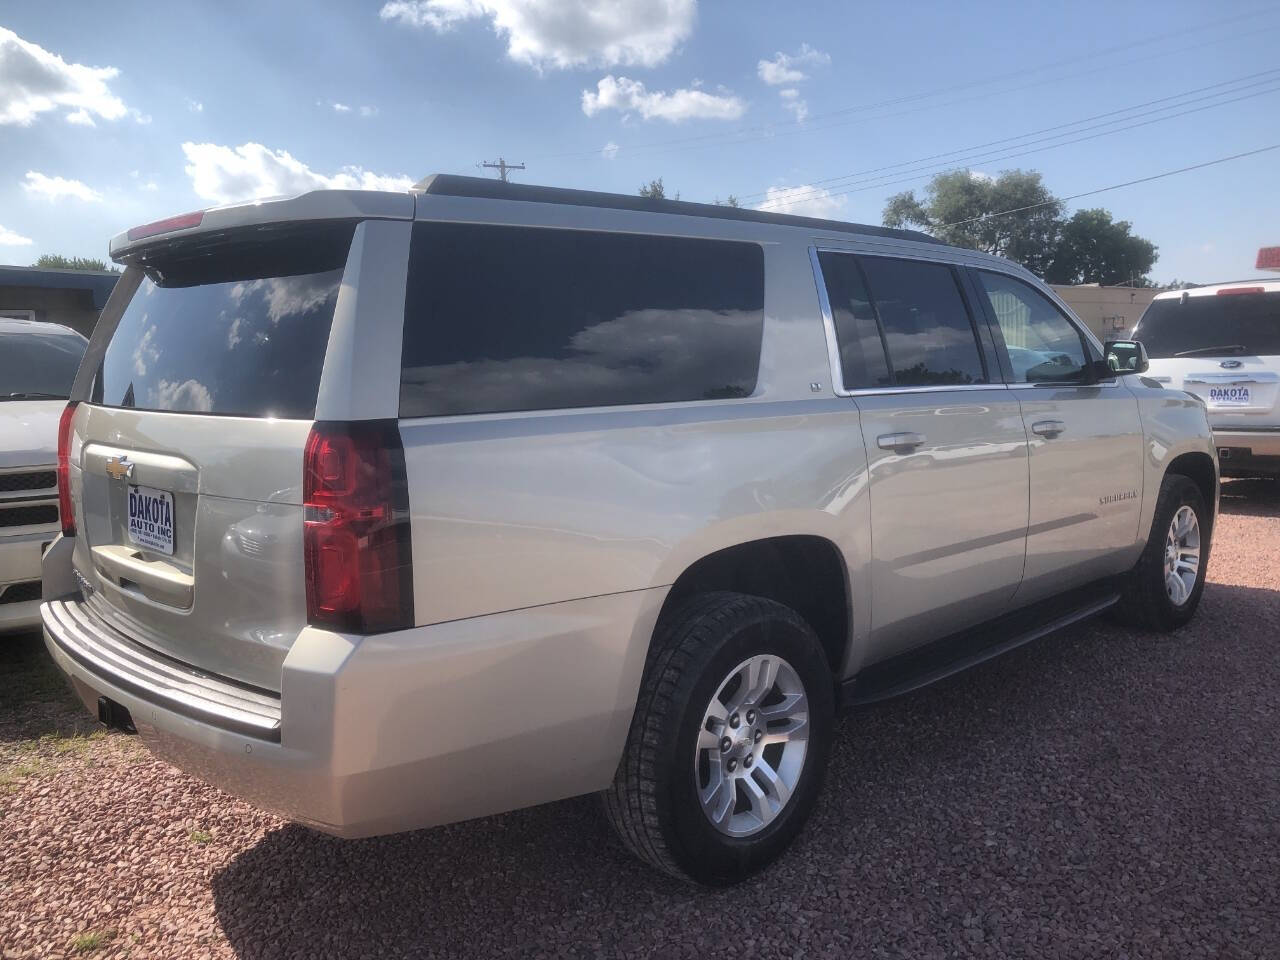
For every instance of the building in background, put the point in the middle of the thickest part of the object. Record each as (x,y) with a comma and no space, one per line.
(73,298)
(1110,312)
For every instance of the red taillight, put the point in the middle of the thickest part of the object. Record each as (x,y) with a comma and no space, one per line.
(65,510)
(181,222)
(1228,291)
(359,565)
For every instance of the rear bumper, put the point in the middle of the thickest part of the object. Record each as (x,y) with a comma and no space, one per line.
(1260,443)
(396,731)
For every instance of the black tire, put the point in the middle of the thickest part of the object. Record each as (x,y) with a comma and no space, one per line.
(653,803)
(1145,602)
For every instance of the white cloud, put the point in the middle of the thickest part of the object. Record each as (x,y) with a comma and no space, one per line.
(144,352)
(35,81)
(81,118)
(784,68)
(337,107)
(9,238)
(609,151)
(564,33)
(195,106)
(55,188)
(803,201)
(791,100)
(784,71)
(227,174)
(619,93)
(189,395)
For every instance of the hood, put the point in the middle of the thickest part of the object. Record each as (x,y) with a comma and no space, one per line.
(29,432)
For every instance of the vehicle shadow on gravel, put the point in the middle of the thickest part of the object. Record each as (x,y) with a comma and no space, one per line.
(35,699)
(1251,498)
(1100,792)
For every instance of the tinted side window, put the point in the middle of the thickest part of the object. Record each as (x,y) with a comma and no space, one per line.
(515,318)
(862,356)
(1043,345)
(927,328)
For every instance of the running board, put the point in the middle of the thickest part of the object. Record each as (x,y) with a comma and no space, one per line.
(938,659)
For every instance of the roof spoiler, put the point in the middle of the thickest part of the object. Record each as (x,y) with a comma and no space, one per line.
(314,205)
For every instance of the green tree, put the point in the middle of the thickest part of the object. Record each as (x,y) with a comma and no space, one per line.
(1093,248)
(654,190)
(731,201)
(958,208)
(58,262)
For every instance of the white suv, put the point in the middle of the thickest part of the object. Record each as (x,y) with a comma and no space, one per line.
(1221,342)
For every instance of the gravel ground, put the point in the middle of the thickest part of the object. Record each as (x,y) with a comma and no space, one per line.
(1100,793)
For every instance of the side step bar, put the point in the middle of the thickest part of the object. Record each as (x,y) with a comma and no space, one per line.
(941,658)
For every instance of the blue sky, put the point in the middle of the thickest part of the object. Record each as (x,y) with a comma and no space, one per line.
(112,119)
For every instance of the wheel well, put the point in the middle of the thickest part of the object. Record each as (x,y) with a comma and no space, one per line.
(1198,467)
(806,573)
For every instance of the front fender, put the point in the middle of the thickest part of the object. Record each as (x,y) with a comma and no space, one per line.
(1174,423)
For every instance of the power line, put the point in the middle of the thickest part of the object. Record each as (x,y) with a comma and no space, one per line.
(772,130)
(1064,126)
(1115,186)
(883,181)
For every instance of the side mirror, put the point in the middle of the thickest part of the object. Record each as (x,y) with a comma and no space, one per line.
(1126,356)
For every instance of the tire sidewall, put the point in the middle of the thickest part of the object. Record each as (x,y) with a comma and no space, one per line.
(701,850)
(1183,492)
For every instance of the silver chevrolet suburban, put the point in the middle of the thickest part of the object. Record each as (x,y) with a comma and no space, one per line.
(385,510)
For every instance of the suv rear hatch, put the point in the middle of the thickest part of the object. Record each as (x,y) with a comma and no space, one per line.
(191,525)
(1222,346)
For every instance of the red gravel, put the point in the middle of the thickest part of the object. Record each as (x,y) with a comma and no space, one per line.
(1101,793)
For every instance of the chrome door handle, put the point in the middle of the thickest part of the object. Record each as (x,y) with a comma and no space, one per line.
(1048,428)
(899,441)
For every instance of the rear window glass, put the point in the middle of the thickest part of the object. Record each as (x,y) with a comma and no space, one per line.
(862,357)
(235,324)
(38,365)
(512,318)
(927,330)
(1214,324)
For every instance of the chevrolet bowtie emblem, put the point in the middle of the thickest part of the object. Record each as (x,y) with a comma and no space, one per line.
(119,467)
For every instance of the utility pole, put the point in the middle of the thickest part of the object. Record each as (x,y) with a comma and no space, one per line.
(503,167)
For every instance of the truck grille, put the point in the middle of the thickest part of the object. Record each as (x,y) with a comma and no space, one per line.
(34,480)
(40,514)
(20,592)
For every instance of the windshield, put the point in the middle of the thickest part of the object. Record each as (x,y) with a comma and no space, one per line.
(36,366)
(1234,324)
(233,325)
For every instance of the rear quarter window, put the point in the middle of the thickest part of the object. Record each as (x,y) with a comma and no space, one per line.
(512,318)
(236,324)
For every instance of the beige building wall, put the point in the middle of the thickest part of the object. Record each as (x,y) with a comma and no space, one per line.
(1110,312)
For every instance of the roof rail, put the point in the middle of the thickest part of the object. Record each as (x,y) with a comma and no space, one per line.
(452,185)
